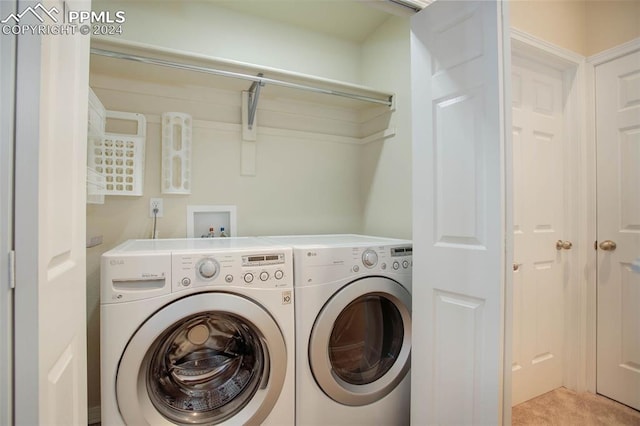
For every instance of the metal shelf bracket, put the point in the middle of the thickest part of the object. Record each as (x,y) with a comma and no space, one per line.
(254,94)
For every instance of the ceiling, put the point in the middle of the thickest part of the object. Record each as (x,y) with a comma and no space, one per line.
(351,20)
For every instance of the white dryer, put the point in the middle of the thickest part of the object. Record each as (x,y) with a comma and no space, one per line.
(353,329)
(197,331)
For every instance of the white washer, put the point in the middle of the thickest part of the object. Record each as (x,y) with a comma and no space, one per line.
(353,329)
(197,331)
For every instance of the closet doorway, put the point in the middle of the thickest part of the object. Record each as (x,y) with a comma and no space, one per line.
(545,230)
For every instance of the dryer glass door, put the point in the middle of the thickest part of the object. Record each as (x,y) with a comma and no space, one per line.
(360,345)
(366,339)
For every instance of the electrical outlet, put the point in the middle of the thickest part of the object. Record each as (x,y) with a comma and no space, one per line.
(156,203)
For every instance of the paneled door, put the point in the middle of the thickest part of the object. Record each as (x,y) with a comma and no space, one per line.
(540,244)
(50,180)
(618,222)
(461,214)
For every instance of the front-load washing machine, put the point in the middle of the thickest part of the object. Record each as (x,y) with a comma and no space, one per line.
(353,329)
(197,331)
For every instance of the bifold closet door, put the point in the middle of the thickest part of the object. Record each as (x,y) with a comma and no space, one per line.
(50,201)
(462,222)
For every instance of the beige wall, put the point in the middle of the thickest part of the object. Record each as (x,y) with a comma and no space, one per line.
(582,26)
(611,23)
(562,23)
(386,177)
(303,185)
(205,28)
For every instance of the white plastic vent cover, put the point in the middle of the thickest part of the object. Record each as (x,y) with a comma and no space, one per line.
(120,157)
(176,153)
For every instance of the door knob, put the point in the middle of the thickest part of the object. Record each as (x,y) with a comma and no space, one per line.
(608,245)
(563,245)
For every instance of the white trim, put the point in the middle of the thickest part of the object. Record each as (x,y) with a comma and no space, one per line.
(590,311)
(535,46)
(286,133)
(505,48)
(615,52)
(580,231)
(94,415)
(579,175)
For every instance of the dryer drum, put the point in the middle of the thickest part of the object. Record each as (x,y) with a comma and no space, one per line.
(366,339)
(205,368)
(360,344)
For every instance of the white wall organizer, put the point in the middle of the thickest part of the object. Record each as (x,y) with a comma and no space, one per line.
(97,120)
(120,157)
(201,218)
(95,187)
(176,153)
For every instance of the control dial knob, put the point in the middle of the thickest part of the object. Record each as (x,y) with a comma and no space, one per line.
(369,258)
(207,268)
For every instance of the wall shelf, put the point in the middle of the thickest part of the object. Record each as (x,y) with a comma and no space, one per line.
(288,133)
(323,113)
(152,72)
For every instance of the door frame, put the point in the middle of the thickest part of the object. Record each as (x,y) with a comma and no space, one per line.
(591,296)
(577,374)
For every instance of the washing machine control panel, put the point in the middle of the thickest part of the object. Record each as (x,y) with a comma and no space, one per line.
(208,268)
(370,258)
(271,269)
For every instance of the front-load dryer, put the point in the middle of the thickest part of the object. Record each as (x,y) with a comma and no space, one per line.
(197,331)
(353,329)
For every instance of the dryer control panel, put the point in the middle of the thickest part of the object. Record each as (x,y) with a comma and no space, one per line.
(271,269)
(327,264)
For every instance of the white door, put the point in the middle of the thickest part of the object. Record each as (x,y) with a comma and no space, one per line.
(462,161)
(538,221)
(618,222)
(50,301)
(7,90)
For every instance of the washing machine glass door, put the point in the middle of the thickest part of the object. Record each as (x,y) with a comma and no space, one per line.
(361,341)
(204,359)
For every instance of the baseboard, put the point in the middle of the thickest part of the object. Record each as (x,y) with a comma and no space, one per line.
(94,415)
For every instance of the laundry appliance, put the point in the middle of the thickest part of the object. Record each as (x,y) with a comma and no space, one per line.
(353,329)
(197,331)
